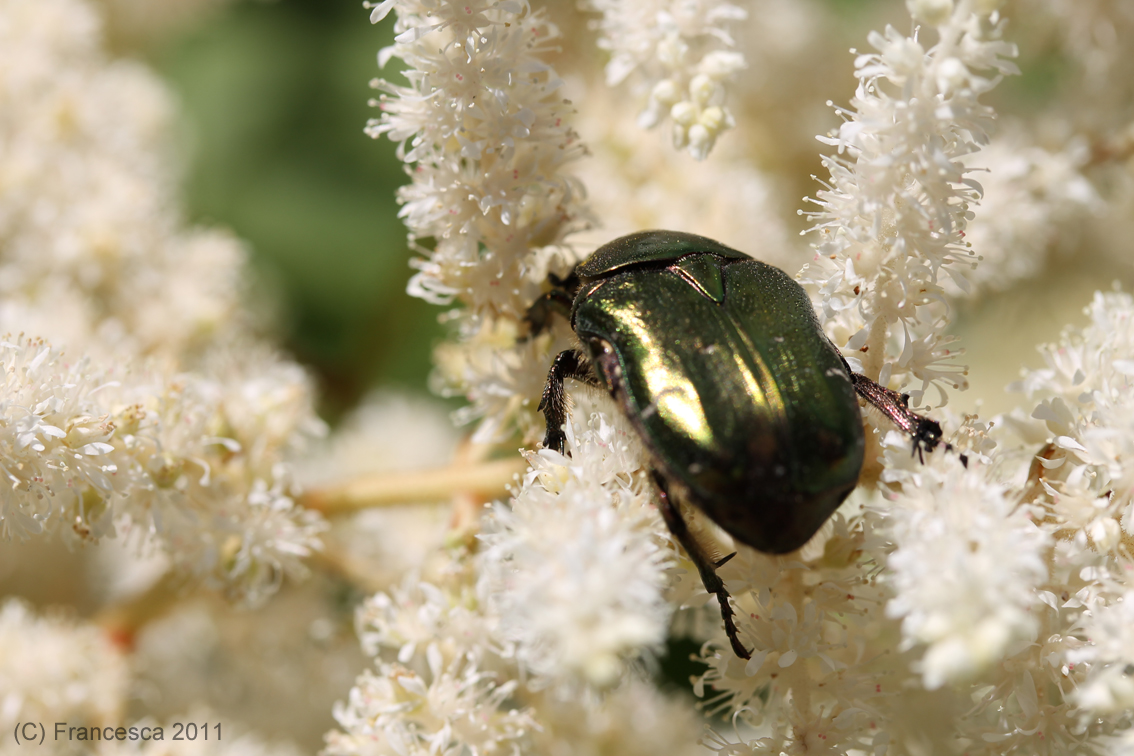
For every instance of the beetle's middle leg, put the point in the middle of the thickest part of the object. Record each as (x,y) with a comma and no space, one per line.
(553,405)
(706,566)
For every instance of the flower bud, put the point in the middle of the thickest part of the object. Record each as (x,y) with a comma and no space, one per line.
(665,92)
(934,12)
(704,90)
(684,113)
(700,141)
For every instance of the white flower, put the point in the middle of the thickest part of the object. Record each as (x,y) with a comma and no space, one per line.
(453,709)
(53,668)
(892,218)
(635,183)
(164,416)
(488,186)
(809,619)
(1086,411)
(577,563)
(962,601)
(86,454)
(680,53)
(418,615)
(967,564)
(90,239)
(1032,198)
(1109,687)
(448,691)
(635,719)
(54,450)
(206,458)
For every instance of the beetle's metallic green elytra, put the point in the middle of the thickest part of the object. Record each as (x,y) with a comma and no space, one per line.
(717,360)
(722,368)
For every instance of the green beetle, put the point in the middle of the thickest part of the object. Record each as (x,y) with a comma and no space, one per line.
(747,410)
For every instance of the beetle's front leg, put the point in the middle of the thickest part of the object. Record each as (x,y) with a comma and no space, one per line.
(926,433)
(713,582)
(539,315)
(553,405)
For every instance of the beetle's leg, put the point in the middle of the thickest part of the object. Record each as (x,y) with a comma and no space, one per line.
(713,583)
(553,405)
(570,284)
(926,433)
(724,560)
(538,317)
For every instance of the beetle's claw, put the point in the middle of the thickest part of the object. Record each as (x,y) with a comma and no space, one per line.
(926,437)
(555,439)
(738,648)
(723,560)
(730,627)
(715,585)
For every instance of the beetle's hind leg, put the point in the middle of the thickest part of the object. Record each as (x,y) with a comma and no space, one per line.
(553,405)
(706,566)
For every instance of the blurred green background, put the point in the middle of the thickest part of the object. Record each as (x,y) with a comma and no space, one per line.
(274,97)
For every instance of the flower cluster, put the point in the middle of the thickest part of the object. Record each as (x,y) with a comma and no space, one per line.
(682,54)
(977,597)
(188,460)
(634,184)
(905,599)
(1085,413)
(1031,196)
(993,584)
(160,414)
(892,218)
(1041,570)
(576,563)
(1081,483)
(811,678)
(492,652)
(53,668)
(483,124)
(89,234)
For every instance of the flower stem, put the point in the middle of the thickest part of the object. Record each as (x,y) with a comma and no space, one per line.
(123,621)
(387,489)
